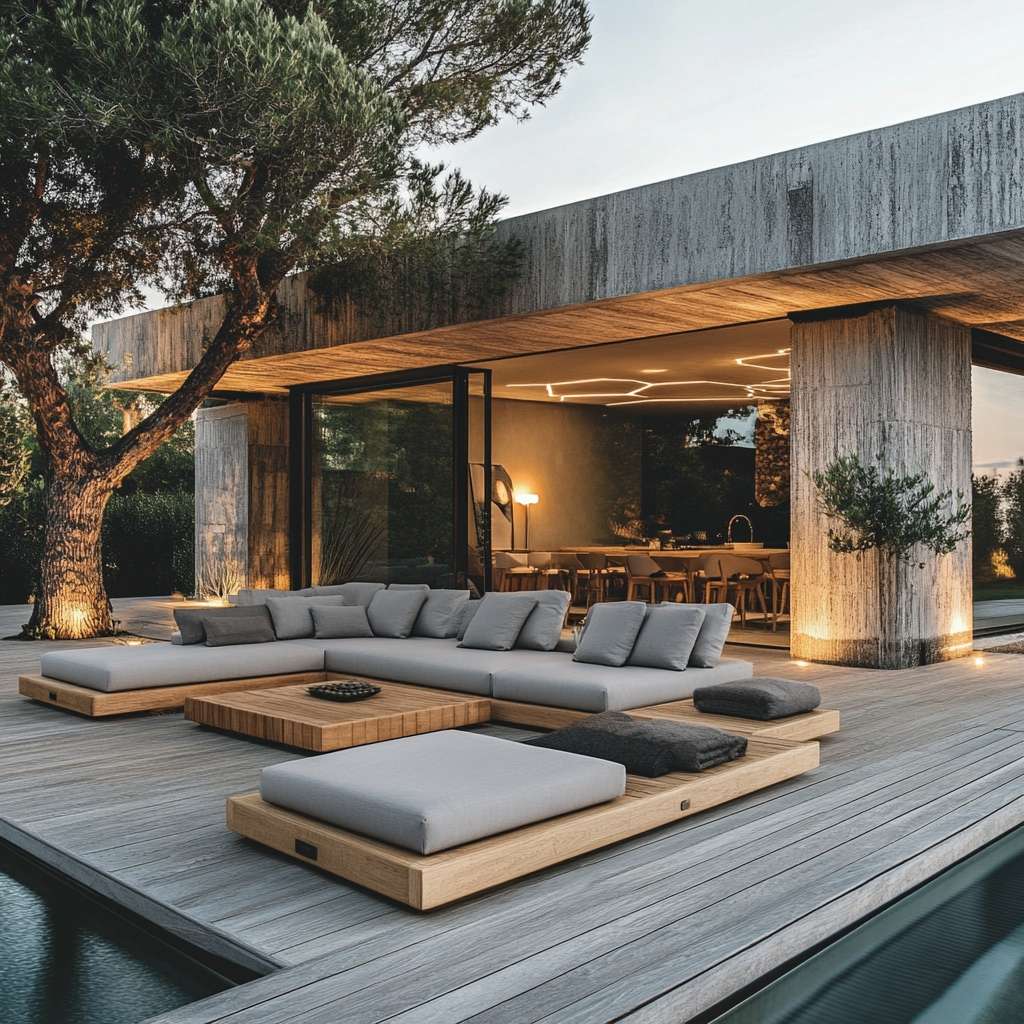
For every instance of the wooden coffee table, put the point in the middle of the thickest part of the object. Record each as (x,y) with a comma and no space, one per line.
(289,715)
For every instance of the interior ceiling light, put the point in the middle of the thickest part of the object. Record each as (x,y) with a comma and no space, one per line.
(628,391)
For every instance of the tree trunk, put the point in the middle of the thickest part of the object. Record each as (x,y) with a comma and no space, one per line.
(72,600)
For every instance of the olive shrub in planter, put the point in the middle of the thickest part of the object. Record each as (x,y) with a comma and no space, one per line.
(874,511)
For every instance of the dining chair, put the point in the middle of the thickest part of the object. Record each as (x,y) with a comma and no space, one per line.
(592,577)
(778,583)
(552,571)
(512,572)
(744,578)
(644,575)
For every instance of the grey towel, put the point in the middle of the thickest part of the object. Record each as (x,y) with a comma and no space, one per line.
(763,699)
(648,747)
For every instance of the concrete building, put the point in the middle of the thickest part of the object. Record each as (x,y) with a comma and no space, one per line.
(671,356)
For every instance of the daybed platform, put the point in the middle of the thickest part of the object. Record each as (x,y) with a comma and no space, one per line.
(425,881)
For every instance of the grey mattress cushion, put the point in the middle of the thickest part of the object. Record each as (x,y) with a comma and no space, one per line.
(763,699)
(231,630)
(440,615)
(648,747)
(610,632)
(498,622)
(346,621)
(554,679)
(293,617)
(543,629)
(714,631)
(392,613)
(466,615)
(418,660)
(443,789)
(190,620)
(353,592)
(667,636)
(114,669)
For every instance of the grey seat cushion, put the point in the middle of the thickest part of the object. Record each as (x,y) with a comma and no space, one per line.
(419,660)
(556,680)
(114,669)
(432,792)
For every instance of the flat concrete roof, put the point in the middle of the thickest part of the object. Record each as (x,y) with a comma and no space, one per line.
(930,210)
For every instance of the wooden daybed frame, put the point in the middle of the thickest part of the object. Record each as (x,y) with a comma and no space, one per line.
(425,882)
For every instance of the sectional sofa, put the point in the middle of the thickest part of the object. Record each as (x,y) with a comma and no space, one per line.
(116,679)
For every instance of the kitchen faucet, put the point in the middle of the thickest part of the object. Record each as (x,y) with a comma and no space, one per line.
(728,529)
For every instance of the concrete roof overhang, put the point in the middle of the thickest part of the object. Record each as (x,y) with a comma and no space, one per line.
(930,211)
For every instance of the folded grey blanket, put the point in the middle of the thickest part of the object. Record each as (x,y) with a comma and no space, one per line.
(763,699)
(648,747)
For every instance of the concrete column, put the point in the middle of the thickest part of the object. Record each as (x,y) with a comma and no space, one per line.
(241,493)
(893,382)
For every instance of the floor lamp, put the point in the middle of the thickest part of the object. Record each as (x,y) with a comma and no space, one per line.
(526,499)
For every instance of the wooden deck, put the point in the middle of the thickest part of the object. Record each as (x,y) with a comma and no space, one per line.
(929,765)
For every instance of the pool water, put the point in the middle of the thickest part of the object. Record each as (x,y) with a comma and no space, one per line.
(66,958)
(951,952)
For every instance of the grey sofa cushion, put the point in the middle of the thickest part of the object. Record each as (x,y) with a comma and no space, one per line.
(764,699)
(250,596)
(353,592)
(466,615)
(190,620)
(443,789)
(543,629)
(440,615)
(408,586)
(231,630)
(714,631)
(667,636)
(392,613)
(293,617)
(418,660)
(114,669)
(346,621)
(498,622)
(556,680)
(610,632)
(648,747)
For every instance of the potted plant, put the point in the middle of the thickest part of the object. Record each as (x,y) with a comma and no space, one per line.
(871,508)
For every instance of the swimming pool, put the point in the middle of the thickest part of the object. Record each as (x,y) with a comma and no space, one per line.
(66,958)
(951,952)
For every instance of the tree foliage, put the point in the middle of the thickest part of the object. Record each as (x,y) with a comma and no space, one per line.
(871,507)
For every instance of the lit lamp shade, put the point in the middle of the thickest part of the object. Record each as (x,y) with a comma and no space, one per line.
(527,498)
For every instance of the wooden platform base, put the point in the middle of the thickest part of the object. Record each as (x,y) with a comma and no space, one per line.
(425,882)
(99,704)
(809,726)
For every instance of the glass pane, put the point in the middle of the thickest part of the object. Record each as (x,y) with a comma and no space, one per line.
(480,484)
(382,486)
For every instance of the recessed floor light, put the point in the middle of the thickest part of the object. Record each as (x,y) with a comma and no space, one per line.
(665,370)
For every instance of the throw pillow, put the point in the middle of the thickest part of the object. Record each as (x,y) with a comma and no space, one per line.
(667,636)
(610,632)
(392,613)
(408,586)
(354,593)
(439,616)
(714,631)
(343,622)
(190,620)
(229,630)
(498,621)
(543,629)
(648,747)
(292,615)
(469,609)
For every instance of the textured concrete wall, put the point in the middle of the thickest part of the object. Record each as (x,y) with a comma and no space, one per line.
(894,383)
(921,184)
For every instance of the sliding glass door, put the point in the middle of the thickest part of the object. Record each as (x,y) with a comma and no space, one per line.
(382,481)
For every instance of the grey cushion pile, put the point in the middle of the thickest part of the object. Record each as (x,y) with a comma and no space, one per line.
(762,699)
(667,636)
(190,621)
(292,616)
(610,633)
(498,621)
(392,613)
(341,622)
(432,792)
(648,747)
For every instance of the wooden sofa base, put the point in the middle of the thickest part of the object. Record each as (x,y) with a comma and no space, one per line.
(426,882)
(99,704)
(811,725)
